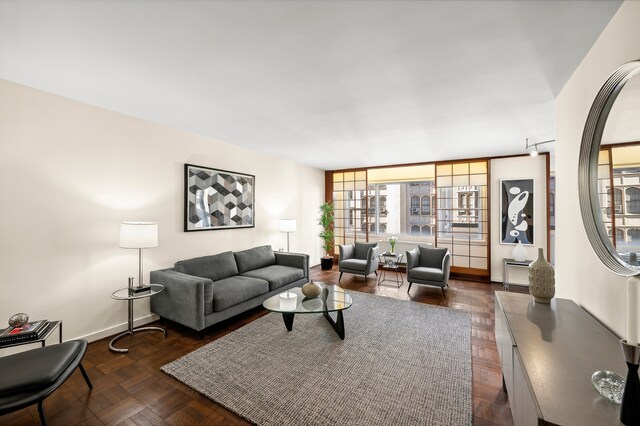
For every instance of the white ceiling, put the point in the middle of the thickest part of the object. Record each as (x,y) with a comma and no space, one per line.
(332,84)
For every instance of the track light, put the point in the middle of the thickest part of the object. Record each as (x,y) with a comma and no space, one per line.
(534,151)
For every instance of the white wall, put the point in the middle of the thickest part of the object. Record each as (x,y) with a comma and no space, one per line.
(70,173)
(518,168)
(579,274)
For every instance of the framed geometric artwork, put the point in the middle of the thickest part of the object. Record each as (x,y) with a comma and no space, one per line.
(218,199)
(516,206)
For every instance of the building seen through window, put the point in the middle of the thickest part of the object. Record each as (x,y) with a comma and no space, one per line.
(618,165)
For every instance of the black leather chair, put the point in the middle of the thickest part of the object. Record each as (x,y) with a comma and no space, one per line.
(29,377)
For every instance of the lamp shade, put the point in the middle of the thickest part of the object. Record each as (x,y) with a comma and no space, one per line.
(138,235)
(288,225)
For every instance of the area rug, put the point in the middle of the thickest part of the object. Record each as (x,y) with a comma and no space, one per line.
(401,363)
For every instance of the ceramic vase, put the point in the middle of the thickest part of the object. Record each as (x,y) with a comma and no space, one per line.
(542,281)
(311,289)
(519,253)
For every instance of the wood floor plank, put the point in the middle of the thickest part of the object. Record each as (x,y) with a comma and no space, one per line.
(130,389)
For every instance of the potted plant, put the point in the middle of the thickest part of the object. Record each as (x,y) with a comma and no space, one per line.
(326,221)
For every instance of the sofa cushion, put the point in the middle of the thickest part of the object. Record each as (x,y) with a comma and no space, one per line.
(362,249)
(257,257)
(233,290)
(276,275)
(426,274)
(214,267)
(431,257)
(354,264)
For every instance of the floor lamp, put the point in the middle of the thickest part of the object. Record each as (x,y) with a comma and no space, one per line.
(139,235)
(136,235)
(288,226)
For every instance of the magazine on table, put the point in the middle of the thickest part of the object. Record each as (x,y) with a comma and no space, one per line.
(29,331)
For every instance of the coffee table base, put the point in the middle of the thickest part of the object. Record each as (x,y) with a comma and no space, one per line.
(337,325)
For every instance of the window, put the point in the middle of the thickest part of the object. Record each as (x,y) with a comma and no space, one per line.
(372,206)
(461,215)
(349,192)
(415,230)
(383,228)
(633,200)
(617,201)
(383,205)
(425,205)
(633,234)
(415,205)
(467,204)
(426,230)
(619,236)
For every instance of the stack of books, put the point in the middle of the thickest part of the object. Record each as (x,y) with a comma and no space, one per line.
(30,331)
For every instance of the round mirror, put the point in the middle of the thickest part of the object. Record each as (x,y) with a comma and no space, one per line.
(609,172)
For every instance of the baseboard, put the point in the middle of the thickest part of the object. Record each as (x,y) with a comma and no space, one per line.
(111,331)
(91,337)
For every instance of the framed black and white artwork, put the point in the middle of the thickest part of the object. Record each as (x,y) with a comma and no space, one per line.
(218,199)
(516,207)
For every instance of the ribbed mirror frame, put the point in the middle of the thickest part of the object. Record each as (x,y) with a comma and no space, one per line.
(588,170)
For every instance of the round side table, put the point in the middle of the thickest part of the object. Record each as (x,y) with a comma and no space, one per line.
(130,295)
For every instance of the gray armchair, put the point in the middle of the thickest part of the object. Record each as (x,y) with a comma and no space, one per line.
(428,266)
(358,259)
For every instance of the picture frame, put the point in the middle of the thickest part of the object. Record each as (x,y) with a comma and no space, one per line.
(517,201)
(216,199)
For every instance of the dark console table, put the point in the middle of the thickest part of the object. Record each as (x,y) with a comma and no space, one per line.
(547,355)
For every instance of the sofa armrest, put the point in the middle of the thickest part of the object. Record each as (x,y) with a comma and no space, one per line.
(347,251)
(183,299)
(295,260)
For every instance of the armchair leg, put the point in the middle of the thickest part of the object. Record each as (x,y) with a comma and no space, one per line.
(43,418)
(410,284)
(375,272)
(340,276)
(86,376)
(443,294)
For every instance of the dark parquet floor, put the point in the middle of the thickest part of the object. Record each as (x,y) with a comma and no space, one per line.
(130,389)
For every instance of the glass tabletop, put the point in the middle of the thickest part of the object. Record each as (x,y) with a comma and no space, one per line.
(331,299)
(128,293)
(390,260)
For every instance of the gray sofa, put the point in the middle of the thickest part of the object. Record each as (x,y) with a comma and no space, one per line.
(205,290)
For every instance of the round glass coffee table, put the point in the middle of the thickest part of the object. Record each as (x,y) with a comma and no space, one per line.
(292,302)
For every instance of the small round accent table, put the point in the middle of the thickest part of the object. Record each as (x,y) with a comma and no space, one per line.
(129,294)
